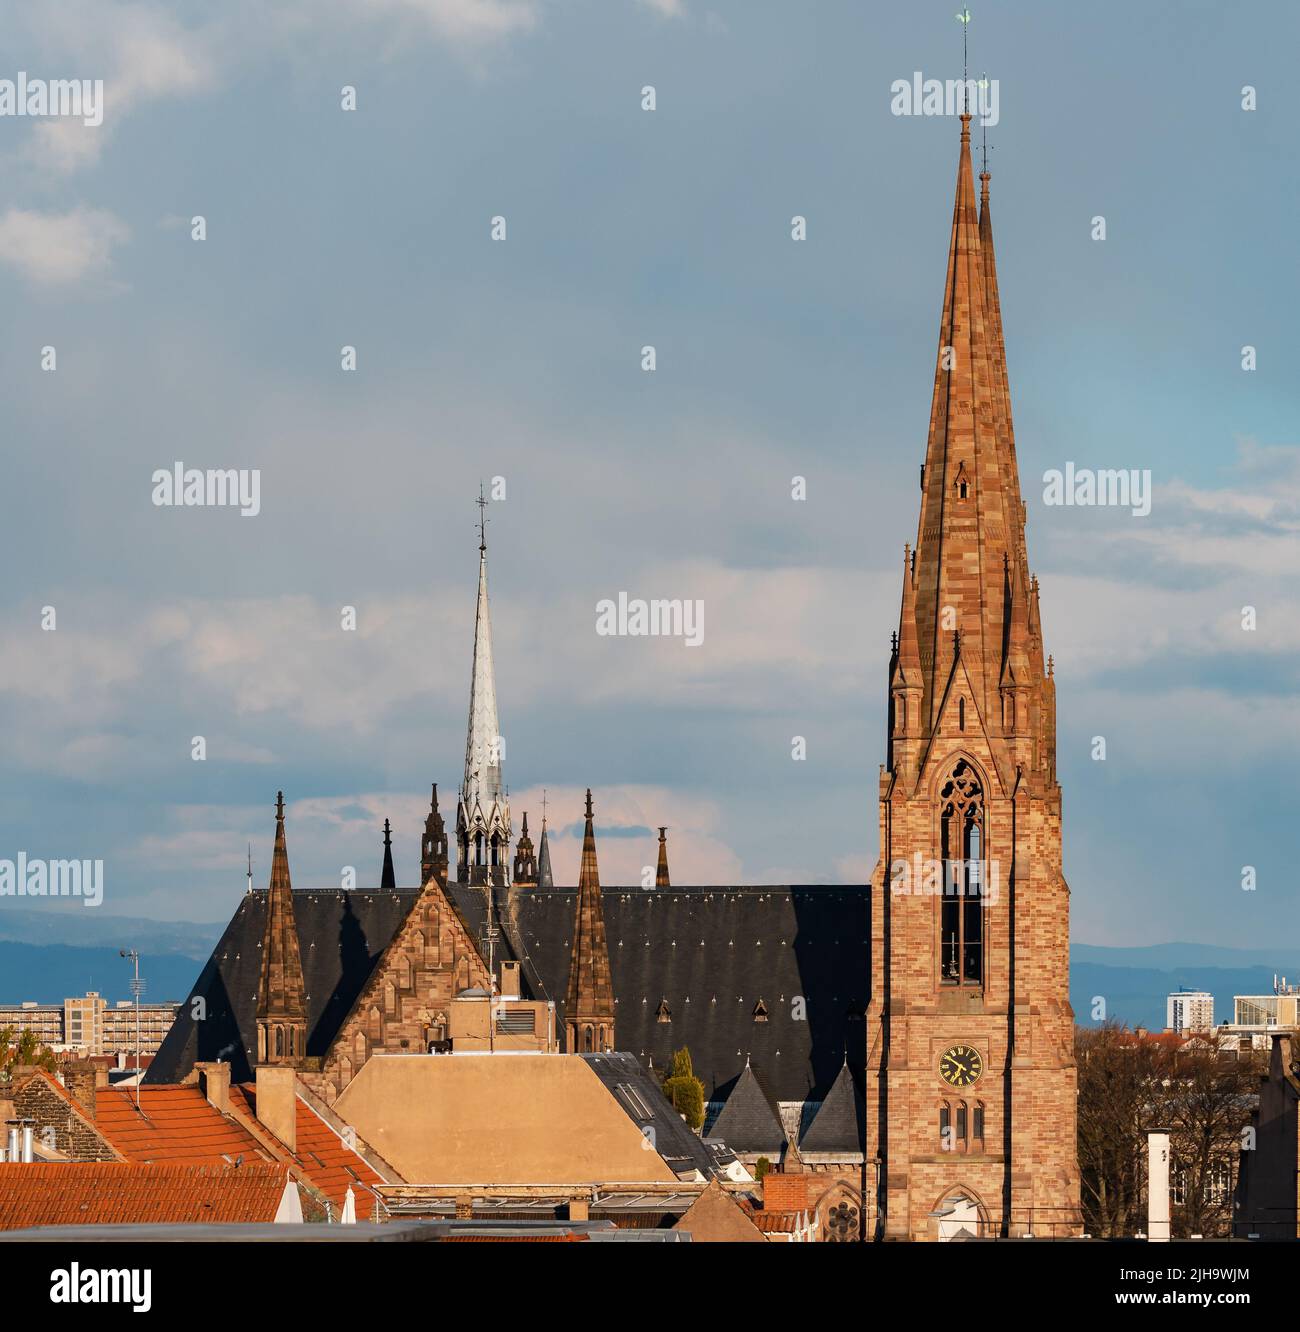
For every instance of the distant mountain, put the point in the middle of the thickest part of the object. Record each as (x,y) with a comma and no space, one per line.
(79,926)
(50,974)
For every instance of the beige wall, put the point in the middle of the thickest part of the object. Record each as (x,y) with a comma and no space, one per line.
(496,1119)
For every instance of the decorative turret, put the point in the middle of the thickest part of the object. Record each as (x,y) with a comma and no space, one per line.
(661,873)
(387,878)
(589,1008)
(483,813)
(281,992)
(545,879)
(525,869)
(433,851)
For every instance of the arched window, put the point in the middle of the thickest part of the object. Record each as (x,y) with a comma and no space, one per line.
(977,1127)
(945,1128)
(961,920)
(587,1039)
(961,1126)
(279,1041)
(961,714)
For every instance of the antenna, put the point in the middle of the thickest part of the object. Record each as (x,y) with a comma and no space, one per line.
(137,989)
(964,19)
(984,123)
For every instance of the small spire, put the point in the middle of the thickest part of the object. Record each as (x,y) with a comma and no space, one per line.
(387,878)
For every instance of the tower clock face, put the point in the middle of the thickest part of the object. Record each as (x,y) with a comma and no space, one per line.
(960,1065)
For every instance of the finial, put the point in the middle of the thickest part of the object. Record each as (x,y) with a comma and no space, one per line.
(482,517)
(964,19)
(663,833)
(525,832)
(956,641)
(388,839)
(543,807)
(279,806)
(589,802)
(1051,667)
(893,641)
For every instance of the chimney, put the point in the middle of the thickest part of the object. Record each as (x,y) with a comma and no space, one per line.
(277,1102)
(79,1079)
(1157,1186)
(510,980)
(214,1079)
(13,1152)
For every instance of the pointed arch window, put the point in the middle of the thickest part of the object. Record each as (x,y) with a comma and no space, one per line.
(961,911)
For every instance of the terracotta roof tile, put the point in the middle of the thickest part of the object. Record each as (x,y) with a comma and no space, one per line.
(173,1124)
(322,1155)
(115,1192)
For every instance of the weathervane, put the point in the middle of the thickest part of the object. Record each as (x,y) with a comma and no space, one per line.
(964,19)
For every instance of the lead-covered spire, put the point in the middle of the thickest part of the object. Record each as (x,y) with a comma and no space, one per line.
(483,817)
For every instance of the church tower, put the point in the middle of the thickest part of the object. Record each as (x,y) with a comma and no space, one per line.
(970,1065)
(281,992)
(483,813)
(589,1006)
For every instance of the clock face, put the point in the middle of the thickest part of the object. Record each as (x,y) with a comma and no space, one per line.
(960,1065)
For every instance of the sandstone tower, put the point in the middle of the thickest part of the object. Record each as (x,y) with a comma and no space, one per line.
(970,1065)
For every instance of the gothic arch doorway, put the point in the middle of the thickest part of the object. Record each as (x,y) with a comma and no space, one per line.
(959,1215)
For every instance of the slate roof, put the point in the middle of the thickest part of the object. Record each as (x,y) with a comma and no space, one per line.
(640,1096)
(341,936)
(711,953)
(839,1125)
(115,1192)
(751,1119)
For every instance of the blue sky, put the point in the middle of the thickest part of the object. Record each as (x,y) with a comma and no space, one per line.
(521,359)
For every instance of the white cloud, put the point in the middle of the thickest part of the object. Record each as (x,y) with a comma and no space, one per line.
(55,249)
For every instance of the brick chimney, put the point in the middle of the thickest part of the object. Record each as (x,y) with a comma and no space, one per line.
(214,1079)
(79,1078)
(277,1102)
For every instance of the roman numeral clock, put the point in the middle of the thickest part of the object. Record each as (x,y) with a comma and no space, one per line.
(961,1065)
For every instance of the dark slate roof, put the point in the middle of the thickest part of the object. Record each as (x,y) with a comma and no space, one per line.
(751,1119)
(840,1123)
(341,936)
(639,1095)
(713,953)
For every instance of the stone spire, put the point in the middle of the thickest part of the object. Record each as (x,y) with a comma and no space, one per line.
(589,1008)
(483,815)
(661,873)
(281,992)
(388,879)
(969,518)
(433,850)
(525,869)
(545,879)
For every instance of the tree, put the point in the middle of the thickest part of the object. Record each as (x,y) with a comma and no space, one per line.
(21,1048)
(684,1090)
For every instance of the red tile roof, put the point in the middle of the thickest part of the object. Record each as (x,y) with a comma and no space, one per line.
(114,1192)
(328,1163)
(778,1223)
(173,1124)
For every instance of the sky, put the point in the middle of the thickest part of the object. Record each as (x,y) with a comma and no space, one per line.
(521,359)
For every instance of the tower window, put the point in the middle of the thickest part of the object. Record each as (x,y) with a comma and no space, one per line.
(961,919)
(961,1126)
(977,1127)
(945,1127)
(961,714)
